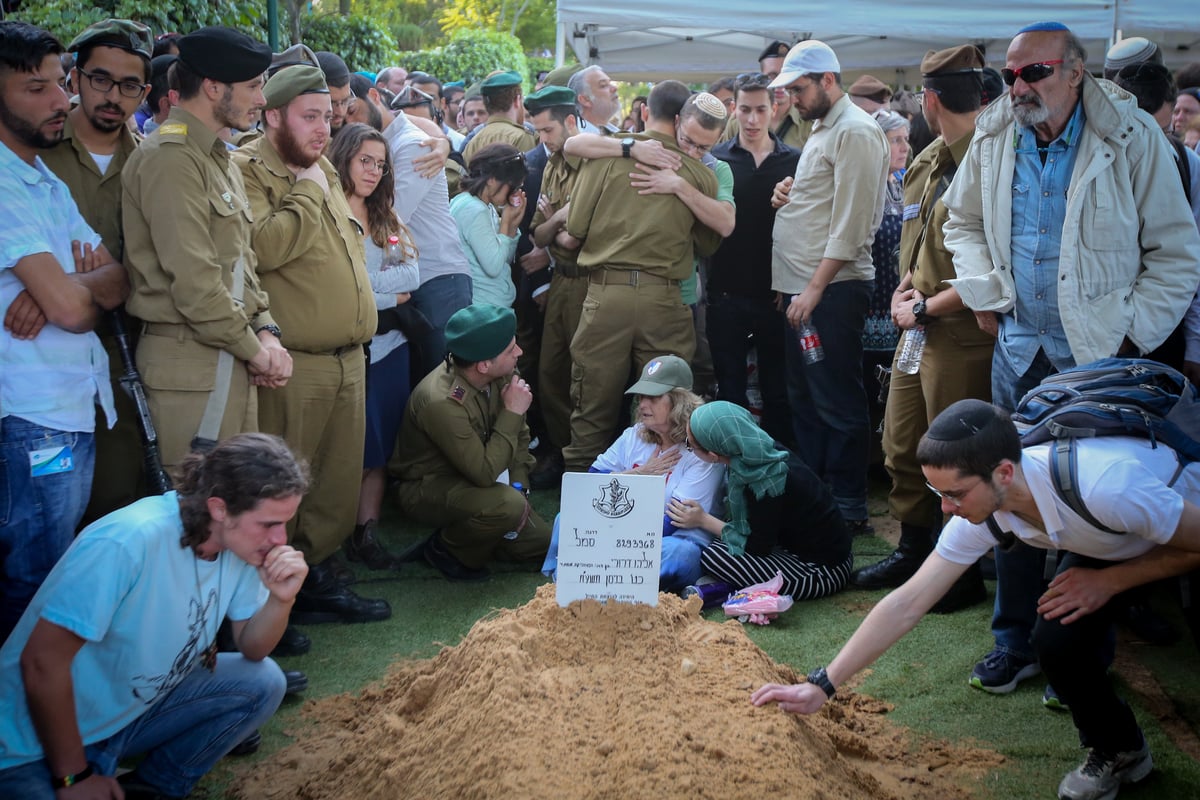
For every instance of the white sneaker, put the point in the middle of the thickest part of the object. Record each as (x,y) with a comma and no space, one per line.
(1101,775)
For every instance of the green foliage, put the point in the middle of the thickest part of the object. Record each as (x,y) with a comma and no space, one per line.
(469,56)
(66,18)
(363,42)
(531,21)
(413,23)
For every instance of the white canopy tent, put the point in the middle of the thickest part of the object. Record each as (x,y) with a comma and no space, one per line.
(700,40)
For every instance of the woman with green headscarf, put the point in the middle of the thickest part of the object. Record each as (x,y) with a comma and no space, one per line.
(782,517)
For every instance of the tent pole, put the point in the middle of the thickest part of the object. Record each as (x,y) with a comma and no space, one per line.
(560,44)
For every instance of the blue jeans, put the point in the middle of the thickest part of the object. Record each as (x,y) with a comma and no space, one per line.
(183,735)
(829,404)
(680,565)
(731,319)
(1008,387)
(437,299)
(38,515)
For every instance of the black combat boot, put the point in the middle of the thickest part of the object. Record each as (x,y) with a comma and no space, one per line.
(323,599)
(915,544)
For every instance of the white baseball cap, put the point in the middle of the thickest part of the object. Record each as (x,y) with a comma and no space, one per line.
(806,58)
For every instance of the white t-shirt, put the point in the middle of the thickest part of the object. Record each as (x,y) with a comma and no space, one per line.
(1123,483)
(130,591)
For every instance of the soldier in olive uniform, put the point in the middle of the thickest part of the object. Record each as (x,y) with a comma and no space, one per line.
(112,70)
(464,448)
(187,248)
(311,262)
(554,117)
(636,250)
(506,113)
(957,361)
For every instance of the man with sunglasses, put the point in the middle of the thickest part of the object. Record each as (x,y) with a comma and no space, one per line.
(112,73)
(311,262)
(1072,241)
(973,461)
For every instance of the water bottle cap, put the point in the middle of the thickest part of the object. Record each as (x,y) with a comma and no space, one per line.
(393,240)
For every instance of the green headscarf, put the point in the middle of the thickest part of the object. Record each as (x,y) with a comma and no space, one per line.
(754,462)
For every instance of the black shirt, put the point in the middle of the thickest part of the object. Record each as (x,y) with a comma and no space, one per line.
(742,264)
(804,520)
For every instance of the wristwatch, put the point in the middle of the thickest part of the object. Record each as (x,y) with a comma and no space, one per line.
(71,780)
(920,313)
(271,329)
(819,678)
(627,146)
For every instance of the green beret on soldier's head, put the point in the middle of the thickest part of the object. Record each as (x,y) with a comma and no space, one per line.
(501,80)
(480,332)
(224,55)
(560,75)
(125,34)
(549,97)
(291,82)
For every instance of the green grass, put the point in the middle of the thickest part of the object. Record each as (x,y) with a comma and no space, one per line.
(924,675)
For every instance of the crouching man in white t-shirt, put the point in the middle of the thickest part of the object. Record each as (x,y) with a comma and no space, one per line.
(116,654)
(972,458)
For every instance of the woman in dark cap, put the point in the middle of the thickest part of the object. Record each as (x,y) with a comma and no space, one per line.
(488,210)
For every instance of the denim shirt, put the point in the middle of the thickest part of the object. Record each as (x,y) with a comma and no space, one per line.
(1039,203)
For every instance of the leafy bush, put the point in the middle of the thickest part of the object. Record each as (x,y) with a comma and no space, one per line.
(469,56)
(66,18)
(363,42)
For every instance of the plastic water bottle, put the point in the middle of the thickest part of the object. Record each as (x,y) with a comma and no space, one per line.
(393,254)
(810,344)
(520,487)
(909,360)
(711,594)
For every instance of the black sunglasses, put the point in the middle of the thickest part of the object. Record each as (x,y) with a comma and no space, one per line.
(1030,73)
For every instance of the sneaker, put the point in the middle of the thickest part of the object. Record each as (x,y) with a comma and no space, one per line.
(1052,701)
(1000,672)
(1101,775)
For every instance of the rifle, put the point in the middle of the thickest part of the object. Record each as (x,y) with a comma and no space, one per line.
(131,382)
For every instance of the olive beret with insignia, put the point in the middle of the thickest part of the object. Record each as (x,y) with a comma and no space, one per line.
(549,97)
(501,80)
(291,82)
(132,37)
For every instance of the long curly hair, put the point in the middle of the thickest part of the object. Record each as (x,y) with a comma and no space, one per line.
(382,221)
(683,403)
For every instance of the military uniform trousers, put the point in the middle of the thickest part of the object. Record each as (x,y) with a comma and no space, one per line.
(474,521)
(179,374)
(956,365)
(321,414)
(564,307)
(623,325)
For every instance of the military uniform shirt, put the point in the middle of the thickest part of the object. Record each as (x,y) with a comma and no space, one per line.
(187,222)
(500,129)
(558,181)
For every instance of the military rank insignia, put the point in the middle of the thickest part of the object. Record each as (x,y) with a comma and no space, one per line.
(458,394)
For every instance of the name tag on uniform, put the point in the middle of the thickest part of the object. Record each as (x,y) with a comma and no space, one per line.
(50,461)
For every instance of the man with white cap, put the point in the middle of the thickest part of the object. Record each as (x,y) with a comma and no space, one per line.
(822,268)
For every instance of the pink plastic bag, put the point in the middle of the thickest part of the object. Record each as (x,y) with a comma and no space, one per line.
(759,603)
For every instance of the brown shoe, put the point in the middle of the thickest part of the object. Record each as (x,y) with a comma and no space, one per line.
(364,547)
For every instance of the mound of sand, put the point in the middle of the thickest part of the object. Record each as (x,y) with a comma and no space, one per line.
(601,701)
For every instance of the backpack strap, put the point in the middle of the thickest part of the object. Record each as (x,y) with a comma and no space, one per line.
(1006,540)
(1064,471)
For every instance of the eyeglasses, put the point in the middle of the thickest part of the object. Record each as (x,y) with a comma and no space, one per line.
(371,165)
(797,89)
(686,141)
(342,104)
(1030,73)
(102,83)
(954,498)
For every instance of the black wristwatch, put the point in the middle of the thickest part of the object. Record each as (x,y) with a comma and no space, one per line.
(627,146)
(920,313)
(71,780)
(819,678)
(271,329)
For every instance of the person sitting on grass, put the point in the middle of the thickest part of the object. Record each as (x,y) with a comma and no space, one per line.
(116,656)
(782,517)
(973,460)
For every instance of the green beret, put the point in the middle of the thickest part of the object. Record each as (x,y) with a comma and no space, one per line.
(224,55)
(960,60)
(132,37)
(291,82)
(480,332)
(549,97)
(560,75)
(501,80)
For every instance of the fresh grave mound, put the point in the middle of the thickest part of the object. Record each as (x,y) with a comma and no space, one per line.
(601,701)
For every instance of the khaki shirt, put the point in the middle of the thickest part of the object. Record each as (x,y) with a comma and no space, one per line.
(187,222)
(557,183)
(98,196)
(922,243)
(622,229)
(795,130)
(452,429)
(500,129)
(836,201)
(310,253)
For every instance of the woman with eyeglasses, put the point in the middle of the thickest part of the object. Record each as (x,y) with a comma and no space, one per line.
(782,517)
(488,210)
(656,444)
(361,157)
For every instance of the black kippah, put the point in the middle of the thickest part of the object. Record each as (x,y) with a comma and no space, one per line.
(960,420)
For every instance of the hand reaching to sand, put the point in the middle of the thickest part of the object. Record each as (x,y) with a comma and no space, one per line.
(799,698)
